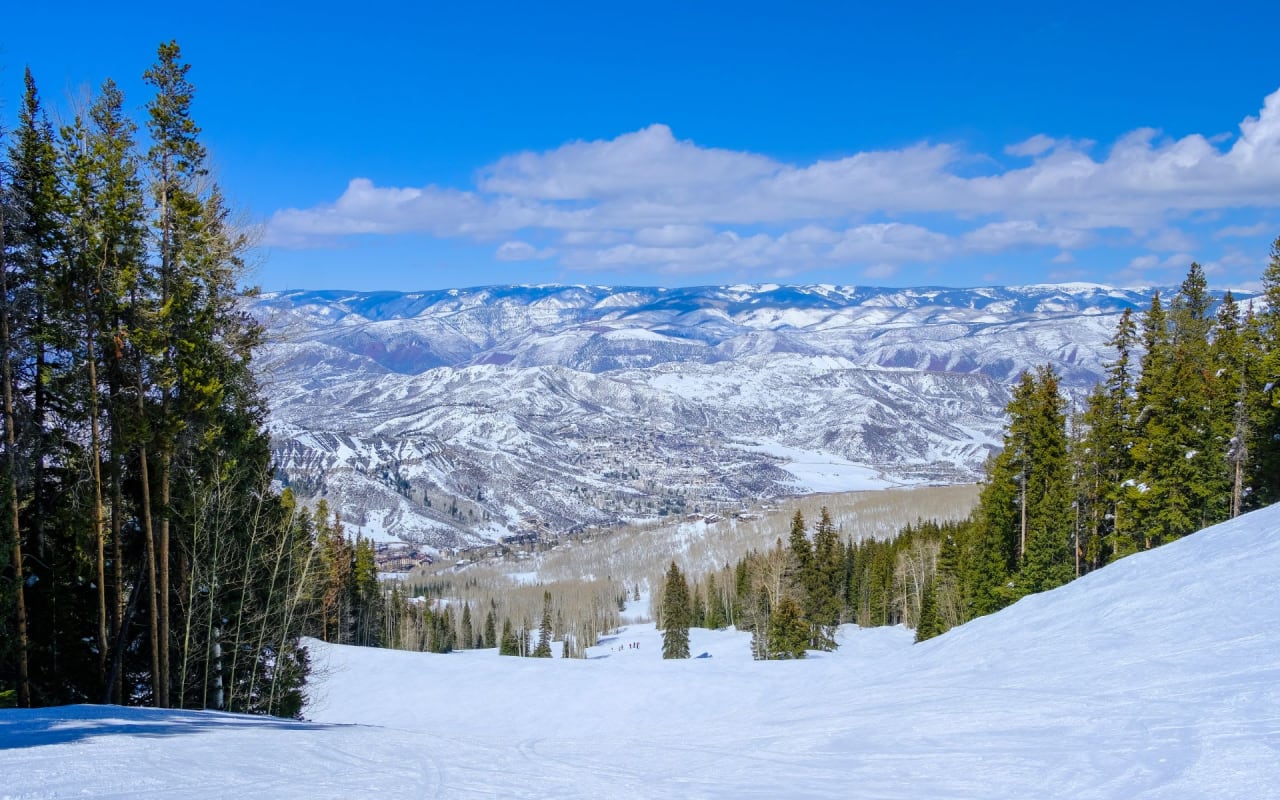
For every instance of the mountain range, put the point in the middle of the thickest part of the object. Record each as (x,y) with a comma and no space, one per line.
(457,417)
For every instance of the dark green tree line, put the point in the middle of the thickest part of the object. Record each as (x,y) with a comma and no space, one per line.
(149,560)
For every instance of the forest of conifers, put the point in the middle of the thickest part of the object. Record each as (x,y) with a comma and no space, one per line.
(146,558)
(1183,433)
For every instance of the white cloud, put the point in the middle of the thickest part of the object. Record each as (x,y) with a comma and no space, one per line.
(1170,239)
(1244,231)
(519,251)
(649,160)
(999,236)
(649,199)
(880,272)
(1034,146)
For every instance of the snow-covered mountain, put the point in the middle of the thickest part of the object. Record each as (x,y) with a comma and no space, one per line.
(459,416)
(1155,677)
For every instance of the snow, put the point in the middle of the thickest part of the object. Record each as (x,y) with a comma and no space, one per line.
(1157,677)
(816,471)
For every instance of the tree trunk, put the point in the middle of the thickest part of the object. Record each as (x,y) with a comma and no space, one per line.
(95,456)
(163,558)
(11,444)
(149,540)
(117,512)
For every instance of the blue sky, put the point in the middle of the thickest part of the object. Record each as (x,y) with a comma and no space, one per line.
(414,146)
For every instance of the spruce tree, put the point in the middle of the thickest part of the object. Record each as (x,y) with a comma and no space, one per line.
(824,584)
(543,649)
(930,624)
(125,375)
(490,631)
(1264,476)
(1047,559)
(467,635)
(509,645)
(1180,483)
(1024,531)
(675,615)
(788,630)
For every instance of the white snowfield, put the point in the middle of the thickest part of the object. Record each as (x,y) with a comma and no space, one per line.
(1157,677)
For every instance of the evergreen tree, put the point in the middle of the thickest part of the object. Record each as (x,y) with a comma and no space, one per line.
(824,588)
(15,645)
(130,408)
(788,630)
(1106,462)
(1233,352)
(1181,483)
(509,645)
(543,650)
(801,552)
(1024,529)
(675,615)
(1264,476)
(466,634)
(1047,558)
(716,614)
(930,624)
(490,631)
(367,602)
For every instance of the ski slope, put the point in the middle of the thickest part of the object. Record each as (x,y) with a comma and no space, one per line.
(1157,677)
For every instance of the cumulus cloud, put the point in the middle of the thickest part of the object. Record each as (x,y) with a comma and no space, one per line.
(650,199)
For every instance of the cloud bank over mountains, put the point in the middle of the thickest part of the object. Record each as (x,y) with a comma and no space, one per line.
(651,200)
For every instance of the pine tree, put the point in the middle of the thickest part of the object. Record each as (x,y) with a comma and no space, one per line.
(509,644)
(1233,351)
(366,595)
(543,650)
(490,631)
(1047,559)
(124,375)
(1264,477)
(930,624)
(715,617)
(20,638)
(675,615)
(467,634)
(1180,484)
(788,630)
(1024,531)
(1106,463)
(824,587)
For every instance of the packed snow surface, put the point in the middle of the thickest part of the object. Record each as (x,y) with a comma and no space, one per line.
(1157,677)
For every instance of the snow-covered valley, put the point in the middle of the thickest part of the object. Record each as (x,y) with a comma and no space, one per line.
(458,417)
(1156,677)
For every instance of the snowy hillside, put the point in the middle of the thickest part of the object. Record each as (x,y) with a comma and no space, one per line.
(1157,677)
(460,416)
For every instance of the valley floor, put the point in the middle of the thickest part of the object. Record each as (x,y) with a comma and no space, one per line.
(1158,677)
